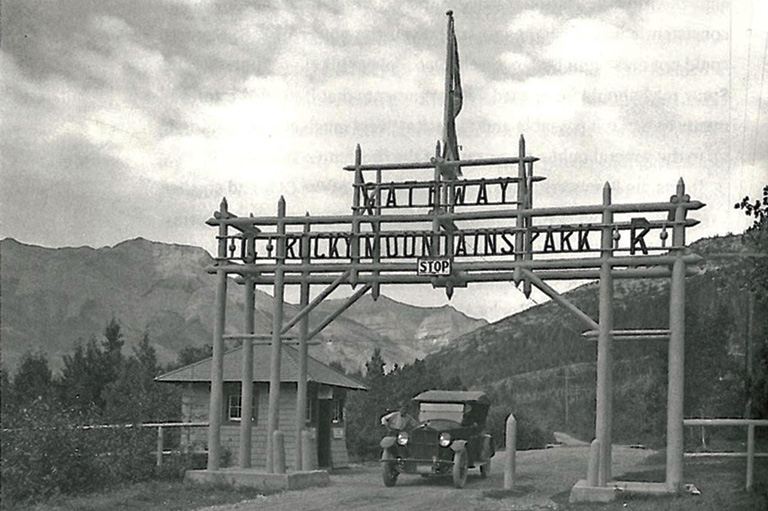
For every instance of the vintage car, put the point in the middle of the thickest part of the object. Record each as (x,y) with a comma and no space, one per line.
(449,439)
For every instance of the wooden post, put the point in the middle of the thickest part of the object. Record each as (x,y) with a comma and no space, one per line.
(509,464)
(246,383)
(435,248)
(604,347)
(528,223)
(377,244)
(309,451)
(750,456)
(594,461)
(277,348)
(676,355)
(159,456)
(301,385)
(749,352)
(216,409)
(521,221)
(566,399)
(278,442)
(356,212)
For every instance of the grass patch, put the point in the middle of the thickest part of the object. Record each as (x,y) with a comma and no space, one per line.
(721,482)
(518,491)
(146,496)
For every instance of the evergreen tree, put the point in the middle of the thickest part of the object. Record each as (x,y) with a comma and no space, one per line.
(135,396)
(33,381)
(112,347)
(364,409)
(83,378)
(711,385)
(759,385)
(90,369)
(387,391)
(191,354)
(756,278)
(5,387)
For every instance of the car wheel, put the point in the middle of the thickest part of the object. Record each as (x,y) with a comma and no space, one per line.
(389,472)
(485,469)
(460,469)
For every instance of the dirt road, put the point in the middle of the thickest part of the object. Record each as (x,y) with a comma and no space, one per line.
(540,475)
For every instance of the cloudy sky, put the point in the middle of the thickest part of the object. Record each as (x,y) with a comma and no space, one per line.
(133,118)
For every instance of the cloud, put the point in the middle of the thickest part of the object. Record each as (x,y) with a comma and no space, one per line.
(516,62)
(533,22)
(143,110)
(585,43)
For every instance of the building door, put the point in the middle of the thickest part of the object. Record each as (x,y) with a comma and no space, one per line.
(324,411)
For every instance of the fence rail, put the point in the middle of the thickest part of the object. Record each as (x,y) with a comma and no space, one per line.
(161,426)
(751,424)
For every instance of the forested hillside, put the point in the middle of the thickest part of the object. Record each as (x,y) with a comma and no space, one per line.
(538,364)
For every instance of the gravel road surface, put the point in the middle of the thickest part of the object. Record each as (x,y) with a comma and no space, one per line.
(540,475)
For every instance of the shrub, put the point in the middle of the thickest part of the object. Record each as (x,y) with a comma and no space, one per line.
(175,465)
(529,434)
(45,453)
(42,455)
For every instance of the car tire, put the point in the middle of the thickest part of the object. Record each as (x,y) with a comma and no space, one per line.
(460,469)
(389,472)
(485,469)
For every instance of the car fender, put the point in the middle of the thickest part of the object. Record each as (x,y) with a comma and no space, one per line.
(387,442)
(459,445)
(488,449)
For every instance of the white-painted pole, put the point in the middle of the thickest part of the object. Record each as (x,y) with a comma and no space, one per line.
(159,454)
(750,456)
(594,460)
(676,348)
(246,382)
(301,385)
(216,407)
(604,392)
(509,463)
(277,348)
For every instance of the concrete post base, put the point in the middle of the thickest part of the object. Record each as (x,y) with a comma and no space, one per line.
(260,479)
(582,492)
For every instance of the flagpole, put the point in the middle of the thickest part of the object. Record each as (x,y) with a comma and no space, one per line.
(447,109)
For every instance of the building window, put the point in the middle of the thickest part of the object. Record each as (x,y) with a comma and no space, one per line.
(235,408)
(338,411)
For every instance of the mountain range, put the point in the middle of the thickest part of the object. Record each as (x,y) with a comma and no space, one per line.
(535,362)
(53,298)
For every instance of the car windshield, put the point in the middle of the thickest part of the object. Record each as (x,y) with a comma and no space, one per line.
(446,411)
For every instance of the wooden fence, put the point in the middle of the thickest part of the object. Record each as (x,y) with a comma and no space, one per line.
(751,424)
(161,427)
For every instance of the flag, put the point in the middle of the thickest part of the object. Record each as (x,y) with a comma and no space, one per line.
(453,97)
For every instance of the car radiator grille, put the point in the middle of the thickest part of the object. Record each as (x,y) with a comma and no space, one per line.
(423,444)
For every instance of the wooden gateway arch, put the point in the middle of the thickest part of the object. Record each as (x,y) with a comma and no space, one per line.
(448,223)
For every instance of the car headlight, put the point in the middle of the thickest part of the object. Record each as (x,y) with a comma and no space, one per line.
(445,439)
(402,438)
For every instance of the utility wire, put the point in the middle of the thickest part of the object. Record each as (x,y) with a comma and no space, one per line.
(746,95)
(730,94)
(760,100)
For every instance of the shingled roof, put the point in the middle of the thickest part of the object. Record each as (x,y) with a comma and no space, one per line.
(289,369)
(452,396)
